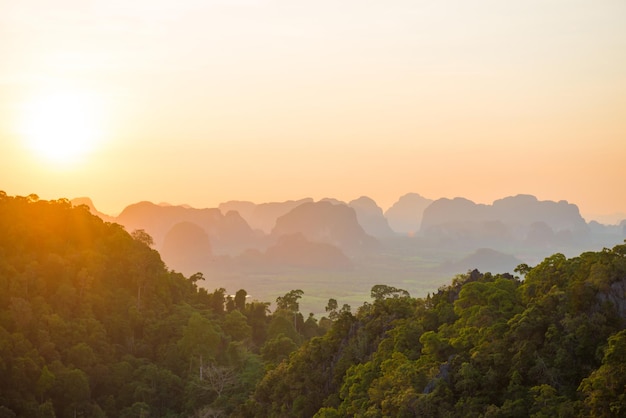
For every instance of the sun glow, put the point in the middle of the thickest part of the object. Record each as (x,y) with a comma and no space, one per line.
(62,127)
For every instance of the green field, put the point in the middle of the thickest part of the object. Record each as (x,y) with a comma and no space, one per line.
(415,273)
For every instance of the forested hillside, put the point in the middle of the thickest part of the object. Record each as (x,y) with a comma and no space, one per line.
(552,345)
(93,324)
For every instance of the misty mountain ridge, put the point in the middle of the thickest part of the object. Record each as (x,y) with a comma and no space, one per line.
(229,233)
(520,219)
(405,215)
(243,237)
(520,210)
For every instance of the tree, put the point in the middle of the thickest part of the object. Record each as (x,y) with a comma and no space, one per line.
(200,341)
(236,326)
(257,314)
(146,263)
(195,278)
(143,237)
(381,291)
(605,389)
(240,299)
(45,382)
(230,304)
(277,349)
(219,378)
(289,301)
(46,410)
(217,300)
(331,308)
(72,389)
(311,328)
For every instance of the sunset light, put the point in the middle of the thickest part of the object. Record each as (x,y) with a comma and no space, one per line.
(314,99)
(279,208)
(61,127)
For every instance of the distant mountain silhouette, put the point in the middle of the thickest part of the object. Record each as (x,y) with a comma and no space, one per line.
(228,234)
(446,211)
(521,218)
(333,201)
(484,260)
(324,222)
(405,216)
(371,218)
(184,205)
(526,209)
(186,248)
(230,242)
(87,202)
(261,216)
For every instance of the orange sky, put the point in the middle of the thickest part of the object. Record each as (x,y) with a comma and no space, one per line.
(209,101)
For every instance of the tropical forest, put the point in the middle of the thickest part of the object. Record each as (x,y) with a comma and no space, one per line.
(94,324)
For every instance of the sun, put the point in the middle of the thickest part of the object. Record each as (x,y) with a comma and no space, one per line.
(61,127)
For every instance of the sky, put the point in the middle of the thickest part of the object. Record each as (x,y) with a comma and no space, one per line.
(201,102)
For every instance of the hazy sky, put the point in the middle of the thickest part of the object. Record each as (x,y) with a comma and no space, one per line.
(205,101)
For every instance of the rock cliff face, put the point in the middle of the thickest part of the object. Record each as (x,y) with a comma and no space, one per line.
(324,222)
(370,217)
(521,218)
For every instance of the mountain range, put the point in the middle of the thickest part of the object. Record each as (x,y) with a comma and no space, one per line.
(420,234)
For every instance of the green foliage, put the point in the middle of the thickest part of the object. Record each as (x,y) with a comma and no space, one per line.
(485,346)
(604,390)
(200,341)
(236,326)
(289,302)
(331,308)
(240,299)
(93,324)
(381,291)
(277,349)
